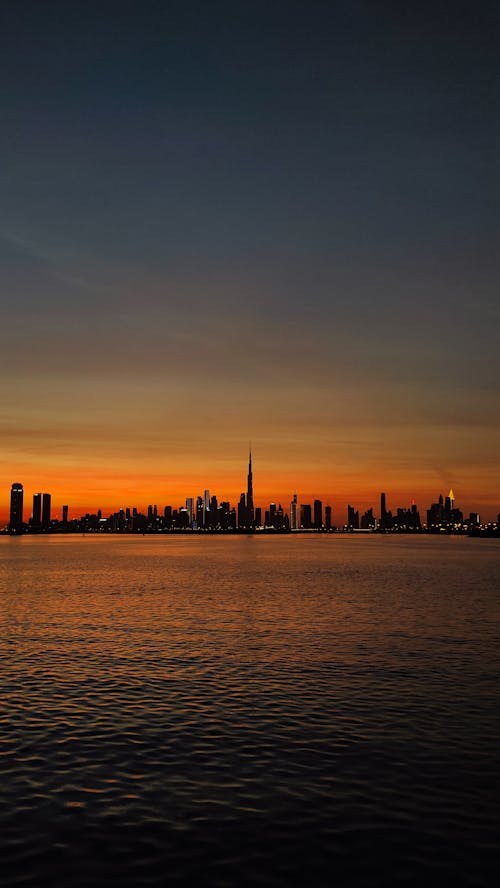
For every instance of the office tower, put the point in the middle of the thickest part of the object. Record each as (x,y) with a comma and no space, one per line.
(16,508)
(272,515)
(258,517)
(224,515)
(306,516)
(328,517)
(206,506)
(65,514)
(37,509)
(294,518)
(183,518)
(199,511)
(368,520)
(352,518)
(242,511)
(383,512)
(250,508)
(46,509)
(414,516)
(318,514)
(190,508)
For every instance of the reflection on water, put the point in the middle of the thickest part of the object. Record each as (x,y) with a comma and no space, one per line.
(312,710)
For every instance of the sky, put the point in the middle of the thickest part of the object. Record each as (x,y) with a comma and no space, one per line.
(223,222)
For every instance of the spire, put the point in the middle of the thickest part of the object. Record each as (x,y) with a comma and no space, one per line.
(250,507)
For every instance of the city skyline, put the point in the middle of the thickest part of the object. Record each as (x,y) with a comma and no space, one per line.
(209,511)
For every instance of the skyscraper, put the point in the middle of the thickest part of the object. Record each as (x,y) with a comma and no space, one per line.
(37,509)
(250,509)
(383,512)
(318,514)
(242,511)
(294,518)
(46,509)
(206,507)
(352,518)
(16,508)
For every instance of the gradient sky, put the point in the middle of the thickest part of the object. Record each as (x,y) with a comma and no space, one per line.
(266,221)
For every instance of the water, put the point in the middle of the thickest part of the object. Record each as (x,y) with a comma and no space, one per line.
(313,710)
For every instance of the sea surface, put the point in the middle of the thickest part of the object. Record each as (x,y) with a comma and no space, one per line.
(293,710)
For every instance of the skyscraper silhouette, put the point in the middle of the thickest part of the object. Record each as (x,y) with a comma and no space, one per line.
(46,509)
(318,514)
(16,508)
(383,512)
(37,509)
(250,509)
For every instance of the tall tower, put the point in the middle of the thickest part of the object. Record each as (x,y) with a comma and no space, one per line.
(318,514)
(46,509)
(206,507)
(16,508)
(294,518)
(250,509)
(37,509)
(383,512)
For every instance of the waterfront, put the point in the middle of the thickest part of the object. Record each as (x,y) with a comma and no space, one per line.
(250,710)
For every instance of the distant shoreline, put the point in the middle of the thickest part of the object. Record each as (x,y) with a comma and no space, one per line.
(488,532)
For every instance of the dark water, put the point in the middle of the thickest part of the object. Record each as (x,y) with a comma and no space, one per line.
(290,711)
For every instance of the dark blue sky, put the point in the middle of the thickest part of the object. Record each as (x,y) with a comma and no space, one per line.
(301,197)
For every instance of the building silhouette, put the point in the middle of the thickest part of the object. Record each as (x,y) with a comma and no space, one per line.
(318,514)
(46,498)
(306,516)
(37,510)
(328,517)
(383,512)
(16,508)
(250,507)
(242,511)
(294,518)
(352,518)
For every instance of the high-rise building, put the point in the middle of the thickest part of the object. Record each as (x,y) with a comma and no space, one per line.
(383,512)
(206,507)
(16,508)
(46,509)
(352,518)
(37,509)
(250,507)
(368,520)
(190,508)
(328,517)
(65,514)
(306,516)
(242,511)
(294,517)
(318,514)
